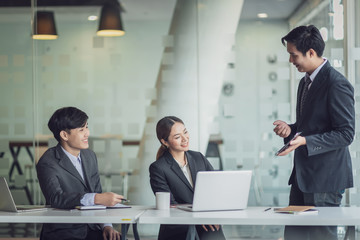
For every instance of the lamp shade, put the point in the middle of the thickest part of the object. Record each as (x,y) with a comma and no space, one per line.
(110,21)
(44,26)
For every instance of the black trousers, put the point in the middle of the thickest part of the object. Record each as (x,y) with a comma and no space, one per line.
(328,199)
(83,233)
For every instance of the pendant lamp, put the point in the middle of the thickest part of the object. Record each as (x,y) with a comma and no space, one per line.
(110,22)
(44,26)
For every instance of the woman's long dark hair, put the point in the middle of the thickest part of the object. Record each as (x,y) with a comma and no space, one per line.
(163,129)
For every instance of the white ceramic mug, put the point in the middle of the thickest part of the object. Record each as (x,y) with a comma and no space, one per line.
(162,200)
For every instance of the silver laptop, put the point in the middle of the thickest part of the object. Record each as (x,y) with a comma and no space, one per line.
(7,203)
(220,190)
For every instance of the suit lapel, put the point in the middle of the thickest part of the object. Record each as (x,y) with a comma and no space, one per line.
(314,89)
(317,83)
(174,166)
(67,165)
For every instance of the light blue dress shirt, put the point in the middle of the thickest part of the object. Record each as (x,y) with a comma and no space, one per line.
(89,198)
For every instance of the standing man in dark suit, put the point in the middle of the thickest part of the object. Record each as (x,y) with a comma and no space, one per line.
(68,177)
(175,171)
(326,117)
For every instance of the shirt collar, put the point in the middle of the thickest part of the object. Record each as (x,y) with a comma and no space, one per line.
(185,165)
(72,158)
(317,70)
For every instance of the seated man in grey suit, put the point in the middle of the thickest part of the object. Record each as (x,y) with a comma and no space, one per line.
(68,177)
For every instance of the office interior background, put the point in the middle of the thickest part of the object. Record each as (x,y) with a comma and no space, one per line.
(215,64)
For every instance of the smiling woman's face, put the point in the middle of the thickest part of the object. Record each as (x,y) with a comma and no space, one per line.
(178,140)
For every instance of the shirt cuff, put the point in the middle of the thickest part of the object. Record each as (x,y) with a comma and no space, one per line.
(88,199)
(106,225)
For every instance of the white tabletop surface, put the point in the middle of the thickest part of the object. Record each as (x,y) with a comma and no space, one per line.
(125,215)
(348,216)
(326,216)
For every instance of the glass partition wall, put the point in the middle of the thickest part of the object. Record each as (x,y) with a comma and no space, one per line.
(125,84)
(17,100)
(112,79)
(228,79)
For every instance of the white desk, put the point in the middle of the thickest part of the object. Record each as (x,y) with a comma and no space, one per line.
(327,216)
(125,217)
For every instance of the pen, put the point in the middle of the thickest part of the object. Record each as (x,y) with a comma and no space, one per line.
(267,209)
(125,200)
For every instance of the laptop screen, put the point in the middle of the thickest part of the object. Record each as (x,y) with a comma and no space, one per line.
(221,190)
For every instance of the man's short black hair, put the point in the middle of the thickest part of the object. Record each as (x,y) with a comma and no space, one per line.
(66,118)
(304,38)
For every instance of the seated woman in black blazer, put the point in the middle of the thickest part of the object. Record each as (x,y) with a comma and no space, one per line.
(175,171)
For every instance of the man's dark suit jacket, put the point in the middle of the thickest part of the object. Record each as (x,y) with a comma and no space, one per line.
(166,176)
(63,188)
(328,124)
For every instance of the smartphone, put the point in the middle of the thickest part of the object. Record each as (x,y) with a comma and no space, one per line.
(287,144)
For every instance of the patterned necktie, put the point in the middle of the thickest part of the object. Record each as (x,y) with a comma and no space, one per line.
(304,93)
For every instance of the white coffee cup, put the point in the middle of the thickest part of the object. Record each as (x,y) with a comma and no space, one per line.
(162,200)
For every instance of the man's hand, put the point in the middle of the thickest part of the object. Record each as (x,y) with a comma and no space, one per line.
(282,129)
(107,198)
(294,144)
(110,234)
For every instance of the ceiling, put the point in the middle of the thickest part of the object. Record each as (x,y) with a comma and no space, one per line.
(27,3)
(276,9)
(71,10)
(147,9)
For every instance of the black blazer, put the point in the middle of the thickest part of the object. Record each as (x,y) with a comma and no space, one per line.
(63,188)
(328,124)
(166,176)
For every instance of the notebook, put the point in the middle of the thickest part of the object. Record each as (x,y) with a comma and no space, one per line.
(297,210)
(7,203)
(220,190)
(97,207)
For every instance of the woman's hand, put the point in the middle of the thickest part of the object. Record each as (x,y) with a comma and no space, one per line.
(213,228)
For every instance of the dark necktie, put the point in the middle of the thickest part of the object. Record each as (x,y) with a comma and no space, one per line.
(304,93)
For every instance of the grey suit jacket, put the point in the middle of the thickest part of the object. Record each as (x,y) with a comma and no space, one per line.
(328,124)
(63,188)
